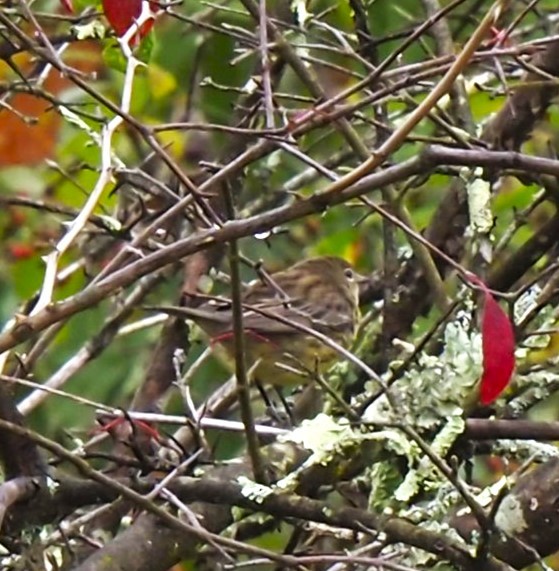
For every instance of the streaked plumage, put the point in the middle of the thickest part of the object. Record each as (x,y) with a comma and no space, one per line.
(318,293)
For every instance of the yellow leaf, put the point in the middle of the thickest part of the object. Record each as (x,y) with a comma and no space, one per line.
(161,82)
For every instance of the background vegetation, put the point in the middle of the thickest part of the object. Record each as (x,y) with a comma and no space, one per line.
(416,139)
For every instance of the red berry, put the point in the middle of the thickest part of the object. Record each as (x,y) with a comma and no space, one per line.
(21,251)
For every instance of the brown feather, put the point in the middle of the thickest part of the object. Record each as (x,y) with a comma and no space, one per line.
(318,293)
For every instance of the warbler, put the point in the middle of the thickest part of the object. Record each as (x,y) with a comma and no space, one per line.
(319,294)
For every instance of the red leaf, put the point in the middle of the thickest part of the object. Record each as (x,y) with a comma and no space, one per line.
(497,345)
(122,13)
(67,4)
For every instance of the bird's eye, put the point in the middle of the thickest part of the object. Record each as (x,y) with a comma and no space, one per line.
(348,273)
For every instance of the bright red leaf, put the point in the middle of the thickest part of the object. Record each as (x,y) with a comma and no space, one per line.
(122,13)
(497,345)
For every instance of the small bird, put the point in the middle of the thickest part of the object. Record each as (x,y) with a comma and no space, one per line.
(318,293)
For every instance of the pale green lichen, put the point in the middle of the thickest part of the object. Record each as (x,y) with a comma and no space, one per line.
(254,491)
(479,205)
(321,435)
(486,496)
(426,476)
(385,478)
(52,485)
(334,441)
(524,450)
(325,437)
(438,386)
(430,396)
(510,516)
(93,30)
(527,302)
(242,515)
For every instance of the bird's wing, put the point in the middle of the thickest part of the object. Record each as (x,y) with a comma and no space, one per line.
(320,317)
(216,316)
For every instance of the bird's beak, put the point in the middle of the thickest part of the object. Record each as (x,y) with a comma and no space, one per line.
(363,285)
(361,280)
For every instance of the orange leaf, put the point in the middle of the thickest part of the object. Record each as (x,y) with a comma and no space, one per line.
(31,118)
